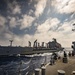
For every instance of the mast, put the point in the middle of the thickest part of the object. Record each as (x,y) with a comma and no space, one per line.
(11,41)
(73,29)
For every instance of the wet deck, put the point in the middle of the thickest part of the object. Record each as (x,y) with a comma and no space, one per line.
(59,65)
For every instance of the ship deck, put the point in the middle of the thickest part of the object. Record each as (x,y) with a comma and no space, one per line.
(59,65)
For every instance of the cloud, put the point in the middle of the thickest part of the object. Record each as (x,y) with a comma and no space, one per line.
(26,21)
(2,20)
(43,33)
(39,7)
(13,22)
(43,27)
(8,36)
(65,36)
(65,6)
(5,33)
(18,40)
(14,7)
(54,22)
(30,12)
(48,24)
(66,27)
(17,10)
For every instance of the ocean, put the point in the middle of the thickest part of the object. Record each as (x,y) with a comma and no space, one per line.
(25,65)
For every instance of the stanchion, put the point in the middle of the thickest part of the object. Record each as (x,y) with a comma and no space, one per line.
(73,72)
(37,71)
(61,72)
(43,71)
(65,60)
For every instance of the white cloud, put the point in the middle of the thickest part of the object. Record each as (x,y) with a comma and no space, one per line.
(18,40)
(43,33)
(8,36)
(40,6)
(4,42)
(65,6)
(2,24)
(43,27)
(46,35)
(13,22)
(2,20)
(26,21)
(49,23)
(66,27)
(64,37)
(30,12)
(54,22)
(17,10)
(14,7)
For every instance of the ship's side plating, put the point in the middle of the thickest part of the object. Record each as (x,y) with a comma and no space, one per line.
(13,50)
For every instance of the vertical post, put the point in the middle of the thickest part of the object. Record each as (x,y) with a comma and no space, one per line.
(73,72)
(42,44)
(38,44)
(37,71)
(43,71)
(65,59)
(73,29)
(47,45)
(29,43)
(35,43)
(61,72)
(11,42)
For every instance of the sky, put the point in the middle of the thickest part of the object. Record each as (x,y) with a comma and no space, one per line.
(28,20)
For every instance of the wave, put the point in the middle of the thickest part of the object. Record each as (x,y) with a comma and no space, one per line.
(24,68)
(44,54)
(26,73)
(27,62)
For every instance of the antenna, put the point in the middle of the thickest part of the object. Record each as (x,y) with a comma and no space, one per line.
(73,27)
(11,42)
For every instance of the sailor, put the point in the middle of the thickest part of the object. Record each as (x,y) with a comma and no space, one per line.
(69,54)
(65,55)
(55,56)
(52,61)
(73,53)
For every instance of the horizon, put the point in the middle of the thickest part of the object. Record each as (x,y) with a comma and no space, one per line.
(28,20)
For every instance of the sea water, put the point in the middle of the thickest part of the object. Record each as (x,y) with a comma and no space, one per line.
(23,65)
(27,64)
